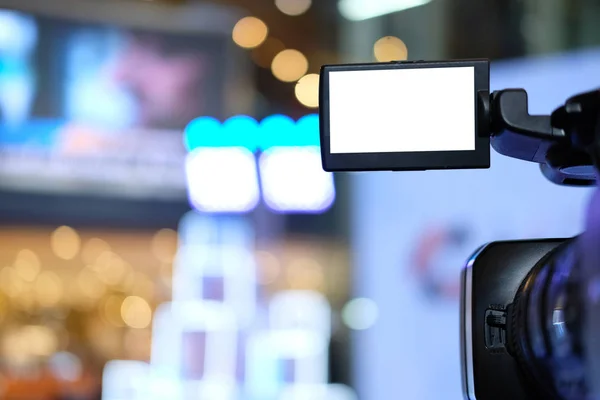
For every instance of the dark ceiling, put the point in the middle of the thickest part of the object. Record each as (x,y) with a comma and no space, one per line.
(495,29)
(491,28)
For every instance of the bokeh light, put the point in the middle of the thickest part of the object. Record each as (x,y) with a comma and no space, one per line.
(114,270)
(241,131)
(307,90)
(127,281)
(40,340)
(11,282)
(292,179)
(26,300)
(143,286)
(359,10)
(264,54)
(89,284)
(269,267)
(65,243)
(250,32)
(48,289)
(166,274)
(222,180)
(305,274)
(293,7)
(203,132)
(360,314)
(66,366)
(28,342)
(27,265)
(289,65)
(277,130)
(111,310)
(164,245)
(138,343)
(307,131)
(92,249)
(136,312)
(390,48)
(244,132)
(4,308)
(236,131)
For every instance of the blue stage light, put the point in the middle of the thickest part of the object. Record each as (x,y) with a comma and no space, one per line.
(222,171)
(241,131)
(275,131)
(293,180)
(203,132)
(222,179)
(307,131)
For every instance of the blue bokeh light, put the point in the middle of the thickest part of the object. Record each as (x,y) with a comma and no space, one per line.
(307,129)
(277,130)
(244,131)
(202,132)
(241,131)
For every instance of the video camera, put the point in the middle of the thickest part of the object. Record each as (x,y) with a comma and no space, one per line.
(523,302)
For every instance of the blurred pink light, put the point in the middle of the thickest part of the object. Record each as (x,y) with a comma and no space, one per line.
(293,180)
(222,179)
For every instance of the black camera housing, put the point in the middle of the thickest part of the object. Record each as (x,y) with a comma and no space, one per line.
(489,288)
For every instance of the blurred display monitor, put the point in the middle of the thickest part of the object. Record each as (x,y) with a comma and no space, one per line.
(97,108)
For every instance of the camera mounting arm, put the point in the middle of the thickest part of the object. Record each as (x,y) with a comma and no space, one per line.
(580,118)
(516,133)
(565,144)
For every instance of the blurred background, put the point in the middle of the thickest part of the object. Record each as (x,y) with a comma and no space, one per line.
(166,230)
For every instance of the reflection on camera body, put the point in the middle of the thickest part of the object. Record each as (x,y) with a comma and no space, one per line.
(530,310)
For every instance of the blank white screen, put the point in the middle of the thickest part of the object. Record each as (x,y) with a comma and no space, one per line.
(402,110)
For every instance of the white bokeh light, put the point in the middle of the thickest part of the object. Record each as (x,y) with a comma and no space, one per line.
(222,179)
(124,380)
(18,33)
(196,342)
(318,392)
(300,309)
(360,314)
(358,10)
(293,180)
(231,268)
(293,7)
(66,366)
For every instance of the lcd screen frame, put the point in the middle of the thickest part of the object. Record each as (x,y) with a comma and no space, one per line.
(407,161)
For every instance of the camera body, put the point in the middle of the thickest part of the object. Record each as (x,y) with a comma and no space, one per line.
(489,289)
(522,302)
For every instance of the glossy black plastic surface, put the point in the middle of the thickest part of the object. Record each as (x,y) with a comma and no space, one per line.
(497,272)
(516,133)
